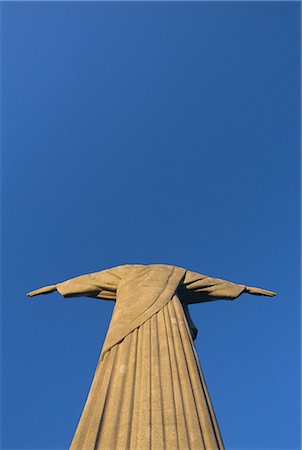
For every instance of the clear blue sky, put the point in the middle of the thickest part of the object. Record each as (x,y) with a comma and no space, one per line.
(151,133)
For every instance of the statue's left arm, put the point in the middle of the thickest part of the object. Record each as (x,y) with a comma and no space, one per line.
(197,288)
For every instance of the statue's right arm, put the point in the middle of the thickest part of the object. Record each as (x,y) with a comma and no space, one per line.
(99,285)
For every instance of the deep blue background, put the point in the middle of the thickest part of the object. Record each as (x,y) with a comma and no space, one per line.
(145,133)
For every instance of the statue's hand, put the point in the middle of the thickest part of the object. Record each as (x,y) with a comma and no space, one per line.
(43,290)
(259,291)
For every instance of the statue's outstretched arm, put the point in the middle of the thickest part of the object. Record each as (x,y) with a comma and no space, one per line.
(99,285)
(197,288)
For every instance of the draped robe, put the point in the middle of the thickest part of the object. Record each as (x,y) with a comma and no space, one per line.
(148,391)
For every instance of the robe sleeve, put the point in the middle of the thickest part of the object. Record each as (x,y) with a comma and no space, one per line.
(197,288)
(98,284)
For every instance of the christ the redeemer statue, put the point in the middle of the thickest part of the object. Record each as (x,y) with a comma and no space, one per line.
(148,391)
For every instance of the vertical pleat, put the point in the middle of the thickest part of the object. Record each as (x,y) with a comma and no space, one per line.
(157,416)
(182,436)
(144,416)
(123,427)
(149,393)
(137,388)
(166,377)
(208,424)
(113,414)
(190,417)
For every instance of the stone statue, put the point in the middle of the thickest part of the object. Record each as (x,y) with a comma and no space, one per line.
(148,390)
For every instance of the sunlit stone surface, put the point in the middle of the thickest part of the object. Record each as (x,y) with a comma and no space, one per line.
(148,390)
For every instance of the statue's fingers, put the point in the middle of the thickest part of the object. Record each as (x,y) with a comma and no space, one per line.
(259,291)
(43,290)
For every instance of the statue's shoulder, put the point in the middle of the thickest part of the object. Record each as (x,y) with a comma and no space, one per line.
(124,269)
(131,269)
(150,266)
(165,267)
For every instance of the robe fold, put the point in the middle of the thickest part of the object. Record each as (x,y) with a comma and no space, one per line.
(148,391)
